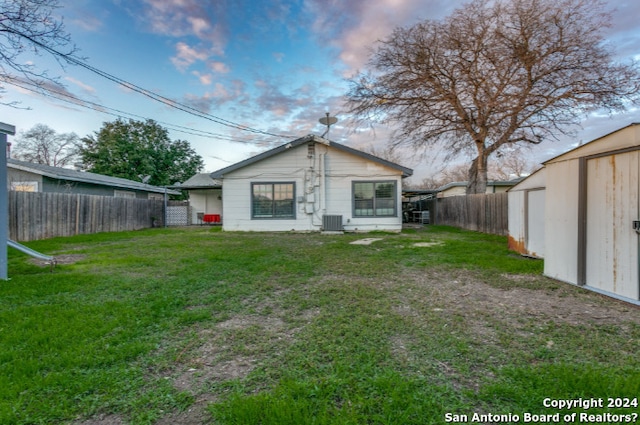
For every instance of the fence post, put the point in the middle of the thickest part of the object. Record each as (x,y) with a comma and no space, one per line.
(164,220)
(4,199)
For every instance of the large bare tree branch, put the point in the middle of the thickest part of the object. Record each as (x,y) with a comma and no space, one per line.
(494,74)
(30,27)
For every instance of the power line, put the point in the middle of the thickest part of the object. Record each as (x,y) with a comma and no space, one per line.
(148,93)
(74,100)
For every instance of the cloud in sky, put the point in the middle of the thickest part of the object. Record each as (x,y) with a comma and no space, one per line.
(186,56)
(205,79)
(353,27)
(219,67)
(187,18)
(234,91)
(277,64)
(85,87)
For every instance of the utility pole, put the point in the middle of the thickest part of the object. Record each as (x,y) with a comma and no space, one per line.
(5,129)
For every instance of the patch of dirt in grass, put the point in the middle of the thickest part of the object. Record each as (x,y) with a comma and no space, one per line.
(232,349)
(60,259)
(427,244)
(242,322)
(196,414)
(465,294)
(462,302)
(102,420)
(207,368)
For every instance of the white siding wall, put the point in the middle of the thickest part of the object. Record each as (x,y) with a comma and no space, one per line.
(612,193)
(561,212)
(535,241)
(323,185)
(205,201)
(526,209)
(612,206)
(516,215)
(18,176)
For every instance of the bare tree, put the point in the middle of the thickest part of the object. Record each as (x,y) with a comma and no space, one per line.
(29,26)
(511,164)
(388,153)
(42,145)
(449,174)
(493,74)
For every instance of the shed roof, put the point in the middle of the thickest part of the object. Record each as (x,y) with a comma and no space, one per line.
(593,146)
(311,138)
(84,177)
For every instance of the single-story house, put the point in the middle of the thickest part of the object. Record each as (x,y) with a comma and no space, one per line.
(312,184)
(205,197)
(460,188)
(31,177)
(592,214)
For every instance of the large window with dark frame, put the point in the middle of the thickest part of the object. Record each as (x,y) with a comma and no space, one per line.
(273,200)
(375,199)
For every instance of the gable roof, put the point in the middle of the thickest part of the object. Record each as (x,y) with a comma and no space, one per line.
(84,177)
(592,145)
(311,138)
(200,181)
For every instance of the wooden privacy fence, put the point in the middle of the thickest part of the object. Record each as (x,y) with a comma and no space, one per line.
(36,215)
(482,213)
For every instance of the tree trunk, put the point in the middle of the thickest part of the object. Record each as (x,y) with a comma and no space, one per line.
(477,175)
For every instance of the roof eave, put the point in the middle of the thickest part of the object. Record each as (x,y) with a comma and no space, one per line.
(87,179)
(219,174)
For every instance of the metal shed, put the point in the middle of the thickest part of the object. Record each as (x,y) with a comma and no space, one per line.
(526,215)
(592,215)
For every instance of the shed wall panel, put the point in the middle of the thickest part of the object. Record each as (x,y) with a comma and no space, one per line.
(561,229)
(535,237)
(516,221)
(612,206)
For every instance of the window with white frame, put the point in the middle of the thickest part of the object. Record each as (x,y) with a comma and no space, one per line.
(273,200)
(375,199)
(24,186)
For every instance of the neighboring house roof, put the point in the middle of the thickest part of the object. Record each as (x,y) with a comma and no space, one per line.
(200,181)
(406,172)
(489,183)
(84,177)
(537,179)
(411,193)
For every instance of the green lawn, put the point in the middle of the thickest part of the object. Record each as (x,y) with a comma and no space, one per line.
(202,326)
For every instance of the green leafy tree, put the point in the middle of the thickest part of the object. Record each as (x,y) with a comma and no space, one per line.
(136,149)
(492,75)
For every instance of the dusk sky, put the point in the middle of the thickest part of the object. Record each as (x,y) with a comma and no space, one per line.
(273,66)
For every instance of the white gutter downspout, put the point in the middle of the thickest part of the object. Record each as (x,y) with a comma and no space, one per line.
(323,183)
